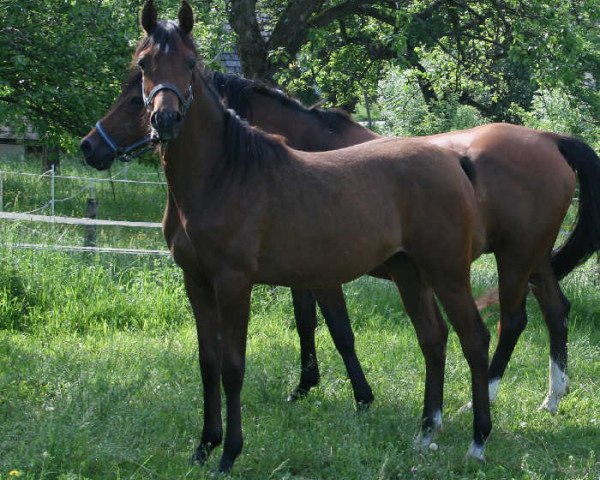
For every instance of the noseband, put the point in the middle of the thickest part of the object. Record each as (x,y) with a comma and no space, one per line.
(125,154)
(185,102)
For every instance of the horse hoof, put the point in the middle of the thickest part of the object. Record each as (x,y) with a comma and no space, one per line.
(363,406)
(201,455)
(297,394)
(550,404)
(423,442)
(465,408)
(225,465)
(476,452)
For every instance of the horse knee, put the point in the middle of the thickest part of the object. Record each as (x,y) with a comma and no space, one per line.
(475,348)
(514,324)
(233,374)
(344,343)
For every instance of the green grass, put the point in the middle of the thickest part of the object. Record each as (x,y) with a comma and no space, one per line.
(99,380)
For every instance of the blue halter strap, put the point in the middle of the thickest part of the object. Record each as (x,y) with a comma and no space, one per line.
(124,153)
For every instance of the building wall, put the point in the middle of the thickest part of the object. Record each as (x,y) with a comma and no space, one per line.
(12,150)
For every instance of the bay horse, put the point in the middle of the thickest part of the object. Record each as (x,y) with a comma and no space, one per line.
(244,208)
(506,159)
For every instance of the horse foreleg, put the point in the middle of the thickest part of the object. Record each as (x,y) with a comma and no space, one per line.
(333,307)
(232,291)
(555,309)
(305,313)
(432,333)
(202,299)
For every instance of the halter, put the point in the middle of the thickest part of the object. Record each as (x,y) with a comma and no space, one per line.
(185,102)
(125,154)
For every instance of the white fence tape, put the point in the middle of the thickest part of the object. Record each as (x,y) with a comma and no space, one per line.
(28,217)
(73,248)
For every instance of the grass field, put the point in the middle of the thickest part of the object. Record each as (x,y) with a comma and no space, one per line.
(99,380)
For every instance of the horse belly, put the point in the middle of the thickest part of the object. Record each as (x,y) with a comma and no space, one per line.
(330,258)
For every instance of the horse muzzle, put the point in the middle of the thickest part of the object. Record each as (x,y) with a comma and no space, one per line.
(96,153)
(165,124)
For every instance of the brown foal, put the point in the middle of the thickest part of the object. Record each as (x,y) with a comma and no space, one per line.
(243,208)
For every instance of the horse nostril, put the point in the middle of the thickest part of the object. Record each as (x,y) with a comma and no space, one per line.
(86,148)
(154,120)
(178,117)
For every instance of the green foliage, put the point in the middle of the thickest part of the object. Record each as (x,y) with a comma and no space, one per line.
(62,63)
(404,111)
(558,111)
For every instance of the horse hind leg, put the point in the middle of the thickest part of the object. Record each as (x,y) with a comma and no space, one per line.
(512,287)
(457,300)
(555,310)
(333,308)
(305,313)
(432,333)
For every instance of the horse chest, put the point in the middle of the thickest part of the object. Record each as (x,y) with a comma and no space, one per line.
(209,245)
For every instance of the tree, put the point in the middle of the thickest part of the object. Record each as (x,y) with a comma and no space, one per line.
(62,62)
(489,54)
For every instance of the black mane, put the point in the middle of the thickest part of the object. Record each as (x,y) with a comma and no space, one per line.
(246,147)
(238,92)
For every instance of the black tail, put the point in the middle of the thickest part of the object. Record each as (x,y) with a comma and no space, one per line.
(585,238)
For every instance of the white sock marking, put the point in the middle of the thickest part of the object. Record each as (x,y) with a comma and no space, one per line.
(558,385)
(477,452)
(493,385)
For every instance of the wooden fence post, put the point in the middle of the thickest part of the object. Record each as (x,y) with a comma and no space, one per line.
(91,211)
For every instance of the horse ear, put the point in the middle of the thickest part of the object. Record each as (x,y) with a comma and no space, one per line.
(186,17)
(149,17)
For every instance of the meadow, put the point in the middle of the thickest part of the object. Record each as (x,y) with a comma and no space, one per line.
(99,376)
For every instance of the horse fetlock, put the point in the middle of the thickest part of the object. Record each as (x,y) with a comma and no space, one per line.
(558,387)
(493,385)
(476,452)
(430,427)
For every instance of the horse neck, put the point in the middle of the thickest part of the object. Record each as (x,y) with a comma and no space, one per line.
(190,160)
(304,129)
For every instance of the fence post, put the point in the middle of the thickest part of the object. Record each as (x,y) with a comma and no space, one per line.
(52,197)
(91,211)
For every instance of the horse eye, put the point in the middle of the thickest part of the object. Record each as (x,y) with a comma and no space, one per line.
(192,63)
(137,101)
(141,63)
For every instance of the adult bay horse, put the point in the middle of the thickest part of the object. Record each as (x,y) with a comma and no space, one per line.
(523,208)
(244,209)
